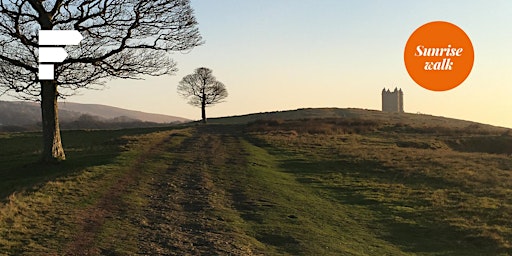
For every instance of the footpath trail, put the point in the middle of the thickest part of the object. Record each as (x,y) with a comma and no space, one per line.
(169,202)
(203,190)
(184,216)
(229,190)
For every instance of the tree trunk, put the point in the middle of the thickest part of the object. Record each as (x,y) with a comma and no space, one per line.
(203,112)
(52,144)
(203,104)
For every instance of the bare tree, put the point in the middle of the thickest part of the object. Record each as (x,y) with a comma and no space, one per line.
(122,39)
(202,89)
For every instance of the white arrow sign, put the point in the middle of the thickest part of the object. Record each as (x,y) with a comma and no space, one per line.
(46,72)
(52,54)
(59,37)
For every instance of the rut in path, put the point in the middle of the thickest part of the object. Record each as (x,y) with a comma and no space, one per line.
(179,218)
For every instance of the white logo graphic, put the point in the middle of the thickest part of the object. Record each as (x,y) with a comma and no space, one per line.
(54,54)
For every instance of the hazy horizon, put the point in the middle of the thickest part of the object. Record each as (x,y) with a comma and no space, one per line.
(284,55)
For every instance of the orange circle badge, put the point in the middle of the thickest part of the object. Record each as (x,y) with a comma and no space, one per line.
(439,56)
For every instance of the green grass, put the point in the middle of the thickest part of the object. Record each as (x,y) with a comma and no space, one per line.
(427,200)
(20,154)
(279,187)
(46,203)
(291,218)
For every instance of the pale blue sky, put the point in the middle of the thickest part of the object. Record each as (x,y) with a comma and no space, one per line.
(288,54)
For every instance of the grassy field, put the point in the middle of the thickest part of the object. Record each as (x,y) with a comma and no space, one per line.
(310,186)
(409,189)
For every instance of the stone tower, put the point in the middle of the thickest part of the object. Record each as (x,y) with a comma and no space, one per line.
(393,101)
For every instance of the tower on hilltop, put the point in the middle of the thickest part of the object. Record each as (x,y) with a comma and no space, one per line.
(393,101)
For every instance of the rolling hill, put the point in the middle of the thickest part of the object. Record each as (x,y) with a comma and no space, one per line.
(302,182)
(28,114)
(354,113)
(109,112)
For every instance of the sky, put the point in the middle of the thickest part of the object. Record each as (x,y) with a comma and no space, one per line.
(288,54)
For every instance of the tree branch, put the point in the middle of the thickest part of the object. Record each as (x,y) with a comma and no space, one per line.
(122,38)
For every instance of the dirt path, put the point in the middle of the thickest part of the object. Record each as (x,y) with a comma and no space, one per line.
(186,205)
(109,206)
(182,217)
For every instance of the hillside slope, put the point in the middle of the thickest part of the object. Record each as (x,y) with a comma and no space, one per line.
(109,112)
(16,113)
(406,119)
(332,186)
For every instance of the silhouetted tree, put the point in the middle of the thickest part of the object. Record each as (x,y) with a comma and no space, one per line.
(122,39)
(202,89)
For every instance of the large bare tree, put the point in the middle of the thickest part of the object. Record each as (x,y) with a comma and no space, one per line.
(202,89)
(121,39)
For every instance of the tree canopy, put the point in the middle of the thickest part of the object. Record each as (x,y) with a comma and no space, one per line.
(121,39)
(202,89)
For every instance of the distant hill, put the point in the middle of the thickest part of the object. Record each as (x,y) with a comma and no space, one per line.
(416,120)
(17,115)
(109,112)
